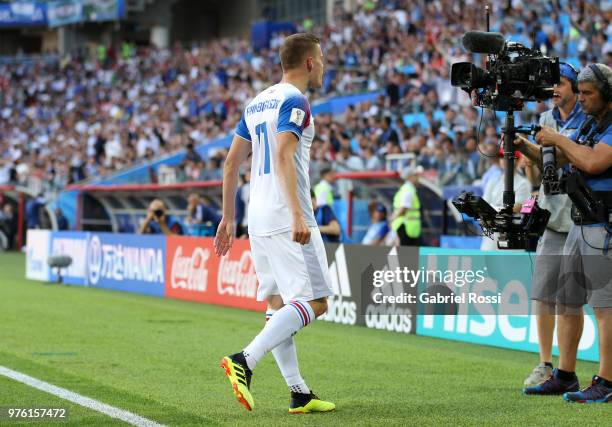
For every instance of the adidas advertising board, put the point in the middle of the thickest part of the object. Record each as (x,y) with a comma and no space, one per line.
(386,305)
(351,268)
(342,306)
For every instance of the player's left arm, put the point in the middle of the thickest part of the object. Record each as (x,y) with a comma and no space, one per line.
(592,160)
(285,167)
(238,153)
(293,118)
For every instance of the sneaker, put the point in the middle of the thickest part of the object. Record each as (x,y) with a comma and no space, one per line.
(597,392)
(302,403)
(539,374)
(239,376)
(553,386)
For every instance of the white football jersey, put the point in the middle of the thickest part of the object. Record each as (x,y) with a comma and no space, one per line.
(280,108)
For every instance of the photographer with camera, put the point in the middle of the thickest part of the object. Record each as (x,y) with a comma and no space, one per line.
(565,117)
(586,267)
(158,222)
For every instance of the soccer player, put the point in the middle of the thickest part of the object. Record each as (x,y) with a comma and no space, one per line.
(286,245)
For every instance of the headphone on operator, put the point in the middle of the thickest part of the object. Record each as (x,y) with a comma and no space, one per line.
(606,92)
(573,81)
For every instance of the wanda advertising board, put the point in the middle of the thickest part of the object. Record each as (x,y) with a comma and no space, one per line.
(195,273)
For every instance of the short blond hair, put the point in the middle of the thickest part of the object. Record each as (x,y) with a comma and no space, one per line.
(295,48)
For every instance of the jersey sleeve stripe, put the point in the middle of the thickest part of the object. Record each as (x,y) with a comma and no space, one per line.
(289,129)
(242,136)
(294,114)
(242,130)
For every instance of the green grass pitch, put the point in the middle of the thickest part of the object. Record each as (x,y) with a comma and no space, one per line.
(159,359)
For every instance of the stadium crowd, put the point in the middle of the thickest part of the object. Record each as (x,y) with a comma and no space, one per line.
(85,117)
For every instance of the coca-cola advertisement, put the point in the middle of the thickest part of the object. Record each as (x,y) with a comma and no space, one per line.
(195,273)
(235,281)
(190,265)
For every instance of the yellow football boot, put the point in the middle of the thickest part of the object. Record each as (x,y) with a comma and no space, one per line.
(302,403)
(239,376)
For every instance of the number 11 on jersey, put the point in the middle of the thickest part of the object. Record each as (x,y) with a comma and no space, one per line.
(262,130)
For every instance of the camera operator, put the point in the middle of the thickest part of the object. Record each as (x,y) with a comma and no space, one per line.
(586,251)
(158,222)
(565,117)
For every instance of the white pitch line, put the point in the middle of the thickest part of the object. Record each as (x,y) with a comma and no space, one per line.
(111,411)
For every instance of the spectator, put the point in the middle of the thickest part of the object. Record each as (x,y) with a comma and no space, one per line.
(379,228)
(242,205)
(346,161)
(62,222)
(34,211)
(406,218)
(201,215)
(5,171)
(192,155)
(372,161)
(459,170)
(324,191)
(122,107)
(328,224)
(493,169)
(158,221)
(388,134)
(8,225)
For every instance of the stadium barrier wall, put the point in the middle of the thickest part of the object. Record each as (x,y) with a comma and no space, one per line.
(186,268)
(43,13)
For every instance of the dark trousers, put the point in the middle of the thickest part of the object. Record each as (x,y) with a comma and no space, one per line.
(405,240)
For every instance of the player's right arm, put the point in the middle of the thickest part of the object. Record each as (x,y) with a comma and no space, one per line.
(238,153)
(285,166)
